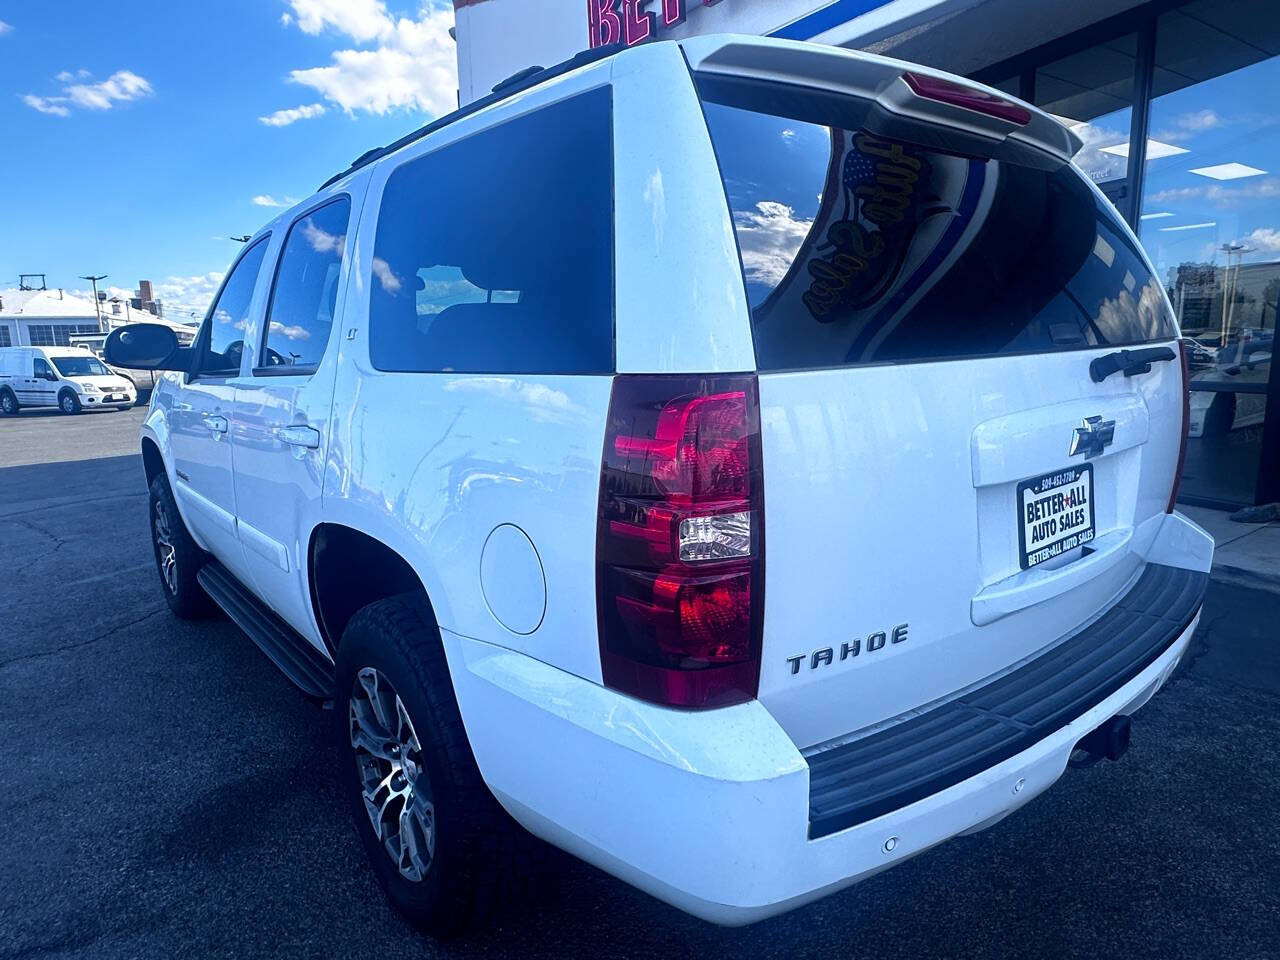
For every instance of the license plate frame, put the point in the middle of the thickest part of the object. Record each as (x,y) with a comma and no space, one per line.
(1075,483)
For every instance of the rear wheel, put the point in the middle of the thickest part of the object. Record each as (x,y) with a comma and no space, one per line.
(178,558)
(8,403)
(68,402)
(444,851)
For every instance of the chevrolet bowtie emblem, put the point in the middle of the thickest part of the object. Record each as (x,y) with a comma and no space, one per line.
(1092,436)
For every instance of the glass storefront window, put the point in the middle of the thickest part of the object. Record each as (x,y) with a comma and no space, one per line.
(1092,93)
(1210,221)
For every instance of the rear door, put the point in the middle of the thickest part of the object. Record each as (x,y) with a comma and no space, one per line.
(280,426)
(947,489)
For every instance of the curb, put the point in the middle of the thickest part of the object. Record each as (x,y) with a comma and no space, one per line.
(1240,577)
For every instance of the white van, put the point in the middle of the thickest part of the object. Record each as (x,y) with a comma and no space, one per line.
(744,464)
(69,378)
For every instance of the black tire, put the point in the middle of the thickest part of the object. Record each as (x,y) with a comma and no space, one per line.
(481,859)
(183,593)
(9,405)
(68,402)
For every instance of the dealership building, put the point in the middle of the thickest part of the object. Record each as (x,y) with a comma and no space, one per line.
(1177,104)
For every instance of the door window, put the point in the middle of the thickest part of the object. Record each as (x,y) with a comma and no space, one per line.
(41,370)
(305,295)
(223,344)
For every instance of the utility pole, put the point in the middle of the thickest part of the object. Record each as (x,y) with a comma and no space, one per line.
(96,306)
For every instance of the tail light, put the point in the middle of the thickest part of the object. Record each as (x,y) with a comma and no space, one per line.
(970,98)
(680,540)
(1186,424)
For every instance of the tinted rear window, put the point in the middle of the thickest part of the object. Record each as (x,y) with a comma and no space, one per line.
(495,254)
(864,247)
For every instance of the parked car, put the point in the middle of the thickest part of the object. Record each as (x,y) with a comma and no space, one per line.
(69,378)
(744,464)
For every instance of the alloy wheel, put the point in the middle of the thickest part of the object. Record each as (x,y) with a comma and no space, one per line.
(392,771)
(165,551)
(68,403)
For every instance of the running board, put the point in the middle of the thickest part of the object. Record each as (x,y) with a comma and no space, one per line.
(285,647)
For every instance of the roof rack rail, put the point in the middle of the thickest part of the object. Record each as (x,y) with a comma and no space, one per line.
(528,77)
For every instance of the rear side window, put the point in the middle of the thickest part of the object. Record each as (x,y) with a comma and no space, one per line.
(305,293)
(495,254)
(864,247)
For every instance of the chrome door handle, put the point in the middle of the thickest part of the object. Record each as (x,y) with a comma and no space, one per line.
(299,436)
(216,424)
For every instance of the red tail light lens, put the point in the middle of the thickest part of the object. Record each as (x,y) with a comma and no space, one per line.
(959,95)
(1186,424)
(680,540)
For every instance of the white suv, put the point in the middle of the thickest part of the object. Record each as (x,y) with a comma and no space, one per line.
(745,464)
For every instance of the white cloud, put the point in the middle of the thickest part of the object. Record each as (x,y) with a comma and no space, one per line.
(1264,239)
(1220,196)
(770,236)
(50,105)
(282,118)
(322,241)
(1186,125)
(121,86)
(5,28)
(184,296)
(286,19)
(361,20)
(413,66)
(266,200)
(290,331)
(386,276)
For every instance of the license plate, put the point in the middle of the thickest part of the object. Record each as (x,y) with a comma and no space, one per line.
(1055,514)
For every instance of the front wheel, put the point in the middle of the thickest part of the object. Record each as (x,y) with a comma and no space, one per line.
(68,402)
(442,848)
(178,557)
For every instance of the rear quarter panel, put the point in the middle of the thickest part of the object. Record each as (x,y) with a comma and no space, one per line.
(431,463)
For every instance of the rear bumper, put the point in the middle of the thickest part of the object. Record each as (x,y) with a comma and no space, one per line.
(711,811)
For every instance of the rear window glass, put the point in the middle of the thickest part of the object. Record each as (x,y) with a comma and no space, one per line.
(495,254)
(862,247)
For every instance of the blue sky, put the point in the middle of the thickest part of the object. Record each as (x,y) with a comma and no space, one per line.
(132,138)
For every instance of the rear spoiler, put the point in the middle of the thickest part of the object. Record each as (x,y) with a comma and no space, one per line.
(903,89)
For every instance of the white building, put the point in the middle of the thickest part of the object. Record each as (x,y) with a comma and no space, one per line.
(44,318)
(50,318)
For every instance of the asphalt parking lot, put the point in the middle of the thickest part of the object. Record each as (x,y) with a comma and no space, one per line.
(166,793)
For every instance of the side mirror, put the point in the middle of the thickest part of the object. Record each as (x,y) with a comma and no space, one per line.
(49,375)
(146,346)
